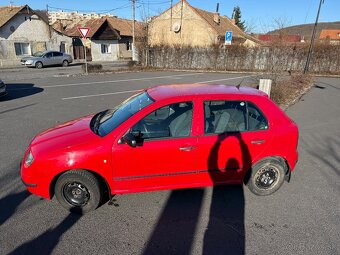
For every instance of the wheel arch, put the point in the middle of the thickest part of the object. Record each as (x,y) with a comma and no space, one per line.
(281,159)
(103,182)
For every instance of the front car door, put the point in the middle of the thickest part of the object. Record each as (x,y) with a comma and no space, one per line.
(48,59)
(165,155)
(235,134)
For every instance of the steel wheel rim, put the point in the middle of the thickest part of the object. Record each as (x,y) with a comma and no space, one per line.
(76,194)
(267,177)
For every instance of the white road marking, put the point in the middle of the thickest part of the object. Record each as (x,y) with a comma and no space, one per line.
(115,81)
(105,94)
(226,79)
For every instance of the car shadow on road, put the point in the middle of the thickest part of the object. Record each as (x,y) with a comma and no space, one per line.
(19,90)
(47,241)
(176,228)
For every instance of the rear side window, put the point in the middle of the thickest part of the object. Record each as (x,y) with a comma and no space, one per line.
(57,54)
(232,116)
(256,120)
(224,116)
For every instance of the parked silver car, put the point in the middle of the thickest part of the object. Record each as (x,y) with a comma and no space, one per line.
(47,58)
(3,91)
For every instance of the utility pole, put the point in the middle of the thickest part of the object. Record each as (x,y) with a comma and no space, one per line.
(133,32)
(171,16)
(310,50)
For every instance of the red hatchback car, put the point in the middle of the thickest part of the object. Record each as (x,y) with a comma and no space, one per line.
(166,137)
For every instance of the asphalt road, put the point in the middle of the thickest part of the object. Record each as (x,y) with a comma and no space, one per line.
(303,217)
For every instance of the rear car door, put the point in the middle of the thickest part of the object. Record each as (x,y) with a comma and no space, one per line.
(57,58)
(48,59)
(235,134)
(165,155)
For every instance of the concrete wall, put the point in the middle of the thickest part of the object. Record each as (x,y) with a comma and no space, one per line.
(194,30)
(123,52)
(97,54)
(29,29)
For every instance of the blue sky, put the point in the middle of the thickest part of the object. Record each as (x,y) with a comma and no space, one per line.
(259,15)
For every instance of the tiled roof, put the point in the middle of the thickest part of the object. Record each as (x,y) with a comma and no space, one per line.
(225,25)
(331,34)
(8,12)
(122,25)
(283,38)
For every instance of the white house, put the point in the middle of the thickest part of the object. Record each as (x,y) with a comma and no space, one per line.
(24,31)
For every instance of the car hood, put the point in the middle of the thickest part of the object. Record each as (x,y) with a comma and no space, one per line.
(67,135)
(31,58)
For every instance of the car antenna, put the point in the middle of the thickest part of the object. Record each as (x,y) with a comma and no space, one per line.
(238,85)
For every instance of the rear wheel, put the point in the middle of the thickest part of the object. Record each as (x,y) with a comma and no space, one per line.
(65,63)
(78,191)
(39,65)
(266,177)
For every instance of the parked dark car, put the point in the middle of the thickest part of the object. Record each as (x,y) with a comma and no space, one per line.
(47,58)
(3,91)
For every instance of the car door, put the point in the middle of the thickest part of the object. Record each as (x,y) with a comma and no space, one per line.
(165,155)
(235,134)
(48,59)
(57,58)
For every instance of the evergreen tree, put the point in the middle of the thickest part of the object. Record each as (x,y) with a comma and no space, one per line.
(237,16)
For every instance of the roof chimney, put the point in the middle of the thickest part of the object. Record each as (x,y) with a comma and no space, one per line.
(217,14)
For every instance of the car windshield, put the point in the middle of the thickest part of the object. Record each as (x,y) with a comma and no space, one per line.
(104,122)
(38,54)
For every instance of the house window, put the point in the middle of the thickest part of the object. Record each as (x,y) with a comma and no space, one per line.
(22,49)
(128,45)
(106,48)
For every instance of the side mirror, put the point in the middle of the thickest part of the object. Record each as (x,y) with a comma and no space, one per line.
(130,139)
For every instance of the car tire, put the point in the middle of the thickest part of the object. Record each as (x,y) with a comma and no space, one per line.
(39,65)
(78,191)
(266,177)
(65,63)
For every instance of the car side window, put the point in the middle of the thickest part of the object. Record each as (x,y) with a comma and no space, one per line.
(256,120)
(48,55)
(225,116)
(57,54)
(173,120)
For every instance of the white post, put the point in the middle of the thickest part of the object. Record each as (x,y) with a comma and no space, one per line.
(265,86)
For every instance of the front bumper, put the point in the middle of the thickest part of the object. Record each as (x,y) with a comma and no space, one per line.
(35,180)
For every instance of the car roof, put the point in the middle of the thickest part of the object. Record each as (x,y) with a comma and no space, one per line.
(186,90)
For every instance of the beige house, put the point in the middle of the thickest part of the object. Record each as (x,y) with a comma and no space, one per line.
(186,25)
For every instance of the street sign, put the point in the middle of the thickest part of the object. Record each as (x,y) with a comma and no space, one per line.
(83,31)
(228,37)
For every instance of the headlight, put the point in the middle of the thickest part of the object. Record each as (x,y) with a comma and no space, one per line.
(29,159)
(29,62)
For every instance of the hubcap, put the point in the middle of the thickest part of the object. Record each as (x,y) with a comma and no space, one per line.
(76,194)
(266,177)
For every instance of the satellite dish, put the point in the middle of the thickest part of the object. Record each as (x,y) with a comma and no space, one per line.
(176,27)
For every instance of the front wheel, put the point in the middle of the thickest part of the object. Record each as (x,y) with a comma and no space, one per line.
(266,177)
(39,65)
(78,191)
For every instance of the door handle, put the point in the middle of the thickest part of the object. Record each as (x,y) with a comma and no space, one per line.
(189,148)
(258,141)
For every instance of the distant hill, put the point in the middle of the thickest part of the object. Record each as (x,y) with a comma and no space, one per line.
(307,29)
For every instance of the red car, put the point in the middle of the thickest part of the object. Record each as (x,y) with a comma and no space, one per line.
(166,137)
